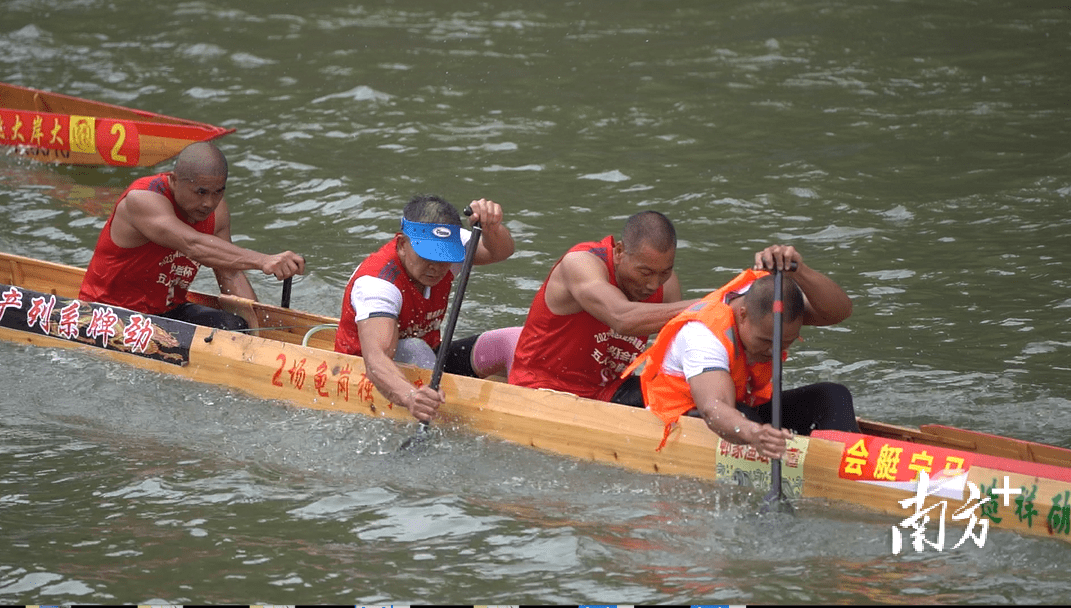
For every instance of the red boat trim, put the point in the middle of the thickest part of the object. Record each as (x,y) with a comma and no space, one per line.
(1031,469)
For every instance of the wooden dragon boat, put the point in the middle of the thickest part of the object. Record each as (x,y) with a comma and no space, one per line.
(55,128)
(289,356)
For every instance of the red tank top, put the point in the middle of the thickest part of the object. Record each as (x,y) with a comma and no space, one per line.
(149,278)
(575,353)
(420,317)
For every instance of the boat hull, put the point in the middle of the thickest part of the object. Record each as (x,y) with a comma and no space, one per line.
(869,472)
(55,128)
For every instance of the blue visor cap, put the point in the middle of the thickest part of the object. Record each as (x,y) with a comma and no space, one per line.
(435,242)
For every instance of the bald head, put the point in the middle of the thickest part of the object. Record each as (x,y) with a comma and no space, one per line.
(200,159)
(759,298)
(649,228)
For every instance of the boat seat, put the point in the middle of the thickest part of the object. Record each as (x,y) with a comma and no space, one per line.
(315,329)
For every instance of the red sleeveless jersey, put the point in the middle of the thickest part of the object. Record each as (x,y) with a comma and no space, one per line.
(575,353)
(420,317)
(149,278)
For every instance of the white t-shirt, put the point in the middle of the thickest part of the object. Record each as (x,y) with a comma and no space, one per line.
(695,350)
(375,297)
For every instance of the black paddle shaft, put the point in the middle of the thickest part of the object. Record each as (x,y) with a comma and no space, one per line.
(288,282)
(455,306)
(775,402)
(776,492)
(448,329)
(778,336)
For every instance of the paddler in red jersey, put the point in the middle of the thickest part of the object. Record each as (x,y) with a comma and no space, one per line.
(596,310)
(164,228)
(716,357)
(396,299)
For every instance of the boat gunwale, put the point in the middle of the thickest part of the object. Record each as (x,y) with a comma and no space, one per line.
(118,112)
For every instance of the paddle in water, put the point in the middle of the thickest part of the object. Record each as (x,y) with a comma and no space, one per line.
(448,329)
(776,500)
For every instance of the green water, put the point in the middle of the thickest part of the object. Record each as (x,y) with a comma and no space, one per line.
(916,152)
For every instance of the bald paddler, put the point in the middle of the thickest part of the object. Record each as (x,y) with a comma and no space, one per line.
(162,230)
(716,357)
(596,309)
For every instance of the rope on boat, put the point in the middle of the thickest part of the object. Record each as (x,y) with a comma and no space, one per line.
(312,329)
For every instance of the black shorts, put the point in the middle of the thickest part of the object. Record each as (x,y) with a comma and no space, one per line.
(825,406)
(209,317)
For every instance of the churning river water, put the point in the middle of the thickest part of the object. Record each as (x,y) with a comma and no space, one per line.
(918,153)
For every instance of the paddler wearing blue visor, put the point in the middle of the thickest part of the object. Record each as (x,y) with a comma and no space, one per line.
(395,301)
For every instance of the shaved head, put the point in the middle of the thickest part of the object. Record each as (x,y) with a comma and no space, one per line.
(649,228)
(759,298)
(200,159)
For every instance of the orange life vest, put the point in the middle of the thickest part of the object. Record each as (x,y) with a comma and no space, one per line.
(669,395)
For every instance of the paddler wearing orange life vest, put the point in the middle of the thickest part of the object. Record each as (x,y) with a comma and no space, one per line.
(715,357)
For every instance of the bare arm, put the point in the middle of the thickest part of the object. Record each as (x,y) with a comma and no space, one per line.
(379,339)
(580,282)
(496,242)
(231,280)
(714,395)
(826,302)
(144,216)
